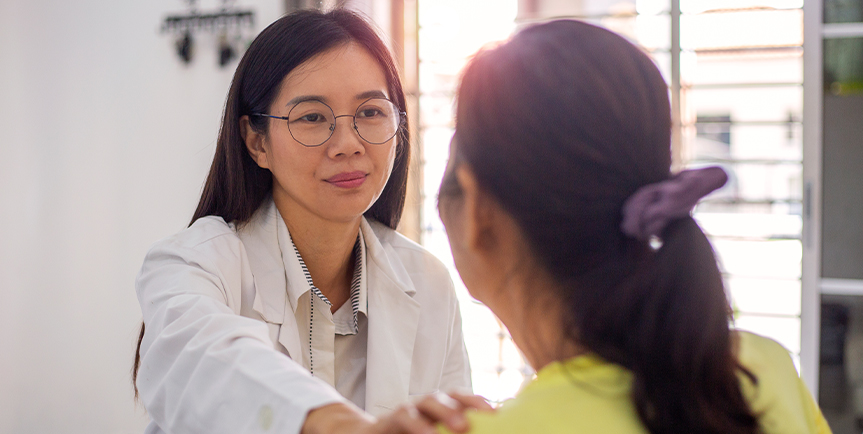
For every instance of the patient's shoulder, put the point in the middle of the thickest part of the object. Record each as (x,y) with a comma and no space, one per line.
(558,404)
(763,355)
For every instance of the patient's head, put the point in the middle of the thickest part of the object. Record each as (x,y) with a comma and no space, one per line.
(555,130)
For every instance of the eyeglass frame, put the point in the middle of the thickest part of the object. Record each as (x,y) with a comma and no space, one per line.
(402,117)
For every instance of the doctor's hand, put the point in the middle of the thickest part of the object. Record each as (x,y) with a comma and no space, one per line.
(448,410)
(419,418)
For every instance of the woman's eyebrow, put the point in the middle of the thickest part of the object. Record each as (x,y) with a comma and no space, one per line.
(362,96)
(303,98)
(371,94)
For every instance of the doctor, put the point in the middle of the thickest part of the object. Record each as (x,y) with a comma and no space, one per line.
(290,303)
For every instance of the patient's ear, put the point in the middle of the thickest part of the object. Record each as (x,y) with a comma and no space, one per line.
(254,143)
(481,229)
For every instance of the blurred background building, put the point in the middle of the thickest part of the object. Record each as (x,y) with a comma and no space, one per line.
(109,118)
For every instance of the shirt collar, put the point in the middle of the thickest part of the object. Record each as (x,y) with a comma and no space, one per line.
(357,298)
(359,284)
(299,280)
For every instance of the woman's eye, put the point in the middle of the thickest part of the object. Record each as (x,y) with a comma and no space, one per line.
(312,118)
(370,113)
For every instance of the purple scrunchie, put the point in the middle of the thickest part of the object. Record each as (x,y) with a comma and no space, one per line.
(649,210)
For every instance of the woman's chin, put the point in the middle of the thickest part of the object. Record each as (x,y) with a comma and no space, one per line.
(345,215)
(347,207)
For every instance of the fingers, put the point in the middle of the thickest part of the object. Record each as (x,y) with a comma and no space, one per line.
(472,401)
(449,410)
(443,409)
(405,420)
(422,417)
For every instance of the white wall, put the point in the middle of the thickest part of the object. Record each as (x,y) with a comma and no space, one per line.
(378,11)
(105,140)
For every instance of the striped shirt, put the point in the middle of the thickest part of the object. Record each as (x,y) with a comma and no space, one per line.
(335,343)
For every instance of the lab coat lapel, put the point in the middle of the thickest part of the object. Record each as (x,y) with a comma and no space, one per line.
(393,316)
(260,238)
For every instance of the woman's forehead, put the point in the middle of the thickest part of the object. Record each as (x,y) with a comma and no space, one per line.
(342,74)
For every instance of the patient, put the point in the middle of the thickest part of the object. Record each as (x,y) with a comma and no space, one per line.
(565,220)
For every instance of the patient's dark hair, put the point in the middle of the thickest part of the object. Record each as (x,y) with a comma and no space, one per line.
(236,186)
(561,125)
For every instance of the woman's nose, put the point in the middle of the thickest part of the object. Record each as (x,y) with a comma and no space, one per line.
(345,139)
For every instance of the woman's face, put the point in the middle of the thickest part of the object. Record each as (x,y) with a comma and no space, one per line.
(340,179)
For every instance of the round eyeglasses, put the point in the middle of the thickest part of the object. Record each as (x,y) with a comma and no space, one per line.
(312,123)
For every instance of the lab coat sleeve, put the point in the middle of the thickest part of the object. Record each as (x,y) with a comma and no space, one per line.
(456,373)
(204,368)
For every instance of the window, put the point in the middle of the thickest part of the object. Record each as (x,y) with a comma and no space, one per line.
(734,69)
(450,32)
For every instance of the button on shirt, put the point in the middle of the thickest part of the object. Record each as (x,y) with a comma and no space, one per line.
(334,344)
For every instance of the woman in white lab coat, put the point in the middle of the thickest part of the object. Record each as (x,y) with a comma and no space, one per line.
(290,302)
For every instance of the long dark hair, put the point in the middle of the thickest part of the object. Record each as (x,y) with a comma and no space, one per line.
(561,125)
(236,186)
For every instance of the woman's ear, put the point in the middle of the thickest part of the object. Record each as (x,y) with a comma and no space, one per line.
(254,143)
(478,225)
(489,231)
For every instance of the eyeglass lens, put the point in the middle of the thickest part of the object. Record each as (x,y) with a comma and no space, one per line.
(313,122)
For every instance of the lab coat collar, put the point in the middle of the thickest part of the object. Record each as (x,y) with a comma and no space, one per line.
(393,314)
(262,240)
(298,284)
(259,236)
(392,320)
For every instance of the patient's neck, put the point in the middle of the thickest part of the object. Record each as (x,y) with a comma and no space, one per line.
(534,315)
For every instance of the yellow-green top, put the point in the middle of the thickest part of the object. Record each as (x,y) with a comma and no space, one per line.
(587,394)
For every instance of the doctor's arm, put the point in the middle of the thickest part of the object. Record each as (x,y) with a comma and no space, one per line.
(204,368)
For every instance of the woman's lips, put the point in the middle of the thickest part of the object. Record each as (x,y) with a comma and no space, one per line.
(348,179)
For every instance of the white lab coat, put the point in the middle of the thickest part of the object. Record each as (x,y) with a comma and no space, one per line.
(220,329)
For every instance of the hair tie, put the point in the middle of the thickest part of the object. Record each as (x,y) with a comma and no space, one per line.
(649,210)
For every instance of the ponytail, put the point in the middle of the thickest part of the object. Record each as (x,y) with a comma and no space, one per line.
(667,323)
(685,372)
